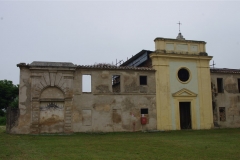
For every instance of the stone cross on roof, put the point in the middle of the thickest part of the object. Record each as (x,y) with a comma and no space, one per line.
(179,26)
(213,64)
(180,36)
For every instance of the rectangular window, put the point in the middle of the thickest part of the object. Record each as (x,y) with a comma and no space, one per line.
(86,83)
(238,85)
(222,114)
(144,113)
(220,85)
(116,87)
(144,110)
(143,80)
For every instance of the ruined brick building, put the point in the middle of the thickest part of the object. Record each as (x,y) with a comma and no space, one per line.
(171,88)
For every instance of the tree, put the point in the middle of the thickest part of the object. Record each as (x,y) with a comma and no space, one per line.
(8,94)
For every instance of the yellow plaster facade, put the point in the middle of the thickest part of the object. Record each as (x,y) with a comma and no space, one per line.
(170,56)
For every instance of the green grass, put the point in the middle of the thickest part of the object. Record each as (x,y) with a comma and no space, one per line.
(188,144)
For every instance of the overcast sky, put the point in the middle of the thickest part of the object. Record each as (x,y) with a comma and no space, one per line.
(102,31)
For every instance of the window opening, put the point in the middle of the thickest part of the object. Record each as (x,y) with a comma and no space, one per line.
(143,80)
(222,114)
(116,83)
(144,110)
(238,85)
(144,116)
(183,75)
(220,85)
(86,83)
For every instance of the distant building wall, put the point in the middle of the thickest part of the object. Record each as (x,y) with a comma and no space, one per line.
(226,97)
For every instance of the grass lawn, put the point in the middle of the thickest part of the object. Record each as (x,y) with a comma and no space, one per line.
(187,144)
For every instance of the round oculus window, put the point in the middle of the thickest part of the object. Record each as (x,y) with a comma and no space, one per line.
(183,75)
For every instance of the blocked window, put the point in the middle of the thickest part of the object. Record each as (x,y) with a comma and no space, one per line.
(220,85)
(144,110)
(116,80)
(86,83)
(222,114)
(117,116)
(144,113)
(143,80)
(87,117)
(238,85)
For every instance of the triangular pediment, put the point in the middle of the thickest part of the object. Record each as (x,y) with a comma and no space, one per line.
(184,93)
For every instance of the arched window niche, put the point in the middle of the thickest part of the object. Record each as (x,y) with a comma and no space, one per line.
(51,116)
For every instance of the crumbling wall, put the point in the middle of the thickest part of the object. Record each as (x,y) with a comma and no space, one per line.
(12,118)
(104,110)
(226,105)
(23,119)
(45,98)
(51,99)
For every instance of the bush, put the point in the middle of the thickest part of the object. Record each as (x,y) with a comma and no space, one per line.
(3,120)
(2,113)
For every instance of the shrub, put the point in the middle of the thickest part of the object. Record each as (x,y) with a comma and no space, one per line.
(2,113)
(3,120)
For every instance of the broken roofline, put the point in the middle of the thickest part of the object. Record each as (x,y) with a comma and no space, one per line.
(103,66)
(139,54)
(39,64)
(224,70)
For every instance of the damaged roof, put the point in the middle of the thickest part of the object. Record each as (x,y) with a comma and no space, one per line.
(136,56)
(52,64)
(40,64)
(224,70)
(114,67)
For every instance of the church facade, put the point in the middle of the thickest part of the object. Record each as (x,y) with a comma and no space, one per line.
(171,88)
(183,89)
